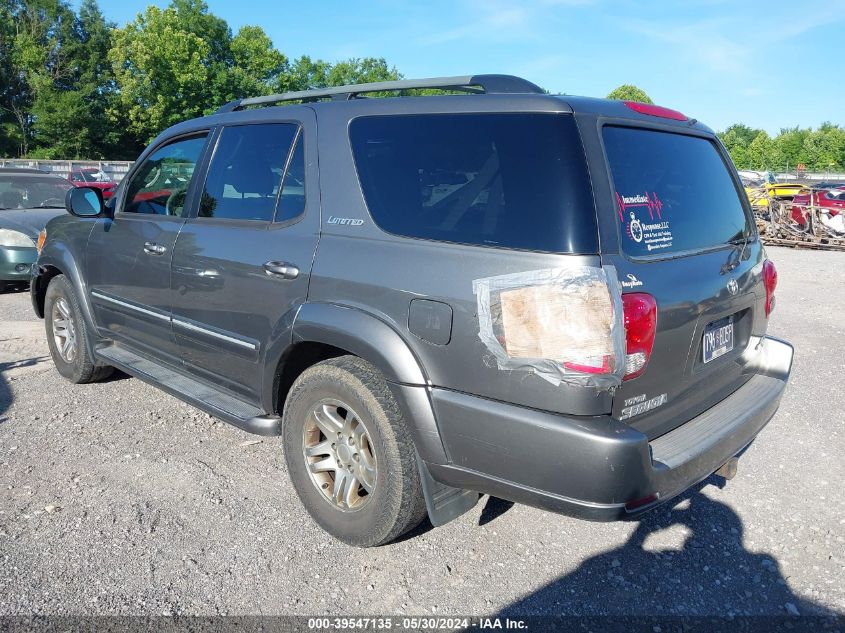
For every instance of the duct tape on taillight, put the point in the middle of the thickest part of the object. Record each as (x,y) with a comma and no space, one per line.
(563,324)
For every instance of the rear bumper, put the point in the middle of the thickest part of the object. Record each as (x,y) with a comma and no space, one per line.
(16,262)
(592,467)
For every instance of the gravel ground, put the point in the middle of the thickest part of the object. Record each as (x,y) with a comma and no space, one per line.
(118,499)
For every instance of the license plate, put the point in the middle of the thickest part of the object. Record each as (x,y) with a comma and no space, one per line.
(718,338)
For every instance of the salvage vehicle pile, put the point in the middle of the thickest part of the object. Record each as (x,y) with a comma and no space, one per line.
(810,215)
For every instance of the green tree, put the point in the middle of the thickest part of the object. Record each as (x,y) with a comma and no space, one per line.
(824,148)
(70,103)
(788,149)
(760,152)
(164,71)
(182,62)
(629,92)
(305,73)
(257,67)
(15,99)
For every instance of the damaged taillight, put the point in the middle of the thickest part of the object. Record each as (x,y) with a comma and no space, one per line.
(640,311)
(770,281)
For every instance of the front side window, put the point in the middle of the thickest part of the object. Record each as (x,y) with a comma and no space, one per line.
(160,185)
(674,192)
(505,180)
(246,171)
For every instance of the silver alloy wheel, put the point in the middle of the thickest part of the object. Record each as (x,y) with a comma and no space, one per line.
(64,330)
(339,455)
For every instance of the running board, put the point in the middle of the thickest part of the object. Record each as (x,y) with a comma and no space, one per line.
(214,402)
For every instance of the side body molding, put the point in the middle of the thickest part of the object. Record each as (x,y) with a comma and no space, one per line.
(362,334)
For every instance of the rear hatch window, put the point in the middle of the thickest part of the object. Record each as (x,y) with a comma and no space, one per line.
(506,180)
(674,192)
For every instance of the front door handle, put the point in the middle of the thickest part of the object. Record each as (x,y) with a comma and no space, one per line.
(281,269)
(154,249)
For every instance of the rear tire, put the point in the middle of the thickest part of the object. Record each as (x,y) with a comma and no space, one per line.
(350,455)
(68,335)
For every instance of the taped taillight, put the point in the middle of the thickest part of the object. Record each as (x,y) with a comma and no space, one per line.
(770,281)
(640,311)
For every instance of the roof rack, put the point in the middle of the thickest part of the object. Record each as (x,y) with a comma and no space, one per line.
(485,84)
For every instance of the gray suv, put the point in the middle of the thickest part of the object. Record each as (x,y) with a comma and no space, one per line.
(555,300)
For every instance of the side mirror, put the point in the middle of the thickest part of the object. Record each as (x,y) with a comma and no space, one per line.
(84,202)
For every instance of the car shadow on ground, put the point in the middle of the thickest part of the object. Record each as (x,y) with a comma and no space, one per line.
(711,574)
(6,396)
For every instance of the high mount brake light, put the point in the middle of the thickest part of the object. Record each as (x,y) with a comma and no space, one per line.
(655,110)
(640,311)
(770,281)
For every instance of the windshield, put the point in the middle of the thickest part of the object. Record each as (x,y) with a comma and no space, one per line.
(26,191)
(94,176)
(674,192)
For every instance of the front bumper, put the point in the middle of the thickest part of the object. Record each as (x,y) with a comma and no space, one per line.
(596,468)
(16,262)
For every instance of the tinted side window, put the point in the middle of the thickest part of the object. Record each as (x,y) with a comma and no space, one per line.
(246,171)
(292,200)
(506,180)
(673,192)
(161,183)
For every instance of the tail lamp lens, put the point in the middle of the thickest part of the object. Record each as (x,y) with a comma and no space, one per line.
(640,325)
(655,110)
(770,281)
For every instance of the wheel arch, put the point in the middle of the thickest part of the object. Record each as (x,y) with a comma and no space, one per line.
(362,334)
(57,260)
(325,330)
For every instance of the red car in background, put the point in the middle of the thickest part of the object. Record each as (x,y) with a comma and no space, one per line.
(831,203)
(93,177)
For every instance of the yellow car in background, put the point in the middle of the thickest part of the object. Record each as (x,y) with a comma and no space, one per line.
(762,187)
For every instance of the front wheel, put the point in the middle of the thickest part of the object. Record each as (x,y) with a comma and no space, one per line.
(67,334)
(349,454)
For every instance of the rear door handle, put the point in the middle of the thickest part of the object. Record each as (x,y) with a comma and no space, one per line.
(281,269)
(154,249)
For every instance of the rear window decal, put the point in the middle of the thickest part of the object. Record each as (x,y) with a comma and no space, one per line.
(657,234)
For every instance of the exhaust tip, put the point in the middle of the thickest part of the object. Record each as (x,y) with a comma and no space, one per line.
(728,469)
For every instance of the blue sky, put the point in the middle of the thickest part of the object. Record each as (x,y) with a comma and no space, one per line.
(769,64)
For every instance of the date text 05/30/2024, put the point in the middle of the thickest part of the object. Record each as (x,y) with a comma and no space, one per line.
(415,623)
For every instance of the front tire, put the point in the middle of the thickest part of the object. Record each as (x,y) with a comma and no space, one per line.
(68,335)
(350,455)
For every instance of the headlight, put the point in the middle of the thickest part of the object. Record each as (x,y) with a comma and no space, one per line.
(15,238)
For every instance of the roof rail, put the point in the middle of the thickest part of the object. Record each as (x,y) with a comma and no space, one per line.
(489,84)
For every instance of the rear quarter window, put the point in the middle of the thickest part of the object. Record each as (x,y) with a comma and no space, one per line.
(674,192)
(505,180)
